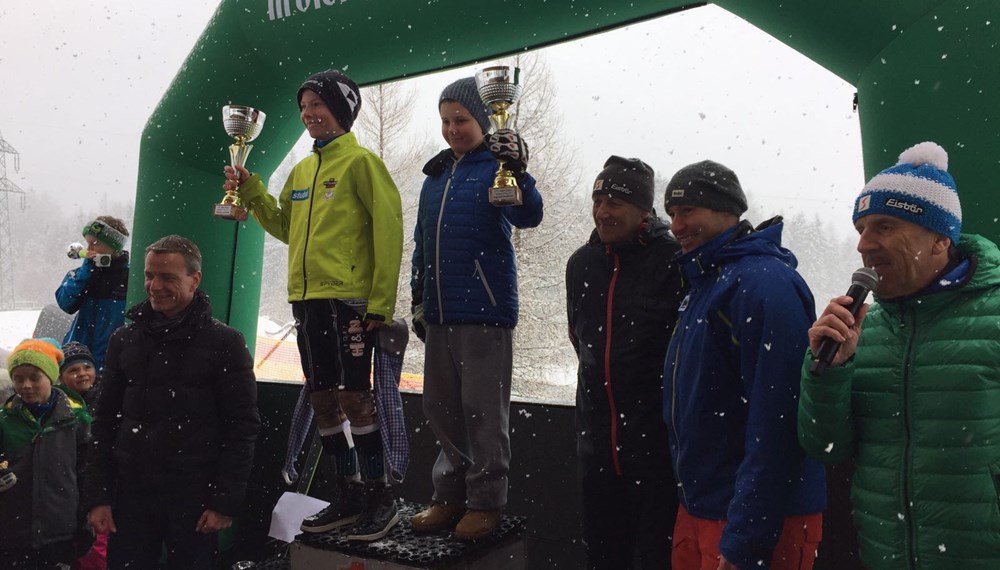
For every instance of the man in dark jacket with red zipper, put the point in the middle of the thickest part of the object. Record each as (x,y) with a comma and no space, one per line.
(176,422)
(622,296)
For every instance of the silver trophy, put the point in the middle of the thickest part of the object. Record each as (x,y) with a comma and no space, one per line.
(499,87)
(243,124)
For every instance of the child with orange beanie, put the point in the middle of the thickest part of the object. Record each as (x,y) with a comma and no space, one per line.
(43,434)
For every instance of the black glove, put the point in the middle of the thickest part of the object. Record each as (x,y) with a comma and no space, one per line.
(508,146)
(417,311)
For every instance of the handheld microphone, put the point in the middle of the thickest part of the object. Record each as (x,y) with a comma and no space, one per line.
(862,282)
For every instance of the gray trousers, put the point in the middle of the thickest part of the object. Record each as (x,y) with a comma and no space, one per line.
(467,372)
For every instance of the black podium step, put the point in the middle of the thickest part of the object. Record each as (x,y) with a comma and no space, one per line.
(404,549)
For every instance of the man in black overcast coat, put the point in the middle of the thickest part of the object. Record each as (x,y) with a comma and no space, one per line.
(176,422)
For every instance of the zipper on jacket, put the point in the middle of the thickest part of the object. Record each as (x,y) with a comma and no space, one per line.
(907,448)
(486,284)
(305,244)
(437,242)
(673,419)
(607,364)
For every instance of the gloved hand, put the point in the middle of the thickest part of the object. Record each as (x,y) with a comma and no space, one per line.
(7,477)
(419,325)
(508,146)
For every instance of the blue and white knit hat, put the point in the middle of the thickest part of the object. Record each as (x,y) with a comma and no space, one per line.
(918,190)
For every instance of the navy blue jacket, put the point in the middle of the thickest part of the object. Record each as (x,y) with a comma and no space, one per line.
(731,388)
(97,296)
(464,270)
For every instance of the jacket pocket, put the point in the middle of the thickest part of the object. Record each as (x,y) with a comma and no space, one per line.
(486,284)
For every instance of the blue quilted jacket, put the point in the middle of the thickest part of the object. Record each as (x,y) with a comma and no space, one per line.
(464,270)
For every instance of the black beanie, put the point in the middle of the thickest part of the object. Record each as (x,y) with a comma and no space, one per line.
(74,352)
(339,92)
(628,179)
(707,184)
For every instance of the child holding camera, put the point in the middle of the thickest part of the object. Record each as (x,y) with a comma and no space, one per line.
(96,290)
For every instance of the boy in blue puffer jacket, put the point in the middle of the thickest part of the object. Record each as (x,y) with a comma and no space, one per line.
(464,285)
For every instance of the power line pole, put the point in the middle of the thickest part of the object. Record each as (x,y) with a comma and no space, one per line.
(7,257)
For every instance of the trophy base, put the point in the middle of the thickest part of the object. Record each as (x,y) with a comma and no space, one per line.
(230,212)
(501,196)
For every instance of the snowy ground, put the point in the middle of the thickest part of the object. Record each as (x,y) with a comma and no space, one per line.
(16,326)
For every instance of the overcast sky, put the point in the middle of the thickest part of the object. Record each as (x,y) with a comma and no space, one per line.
(79,80)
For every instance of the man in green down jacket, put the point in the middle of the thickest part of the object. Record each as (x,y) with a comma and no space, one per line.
(913,395)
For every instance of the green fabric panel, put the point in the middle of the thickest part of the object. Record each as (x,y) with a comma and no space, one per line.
(843,36)
(936,84)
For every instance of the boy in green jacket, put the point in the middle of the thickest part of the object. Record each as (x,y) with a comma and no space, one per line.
(341,215)
(43,434)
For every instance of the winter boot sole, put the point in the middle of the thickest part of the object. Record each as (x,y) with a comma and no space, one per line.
(328,527)
(376,535)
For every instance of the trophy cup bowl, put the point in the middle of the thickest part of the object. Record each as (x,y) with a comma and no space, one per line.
(499,89)
(243,124)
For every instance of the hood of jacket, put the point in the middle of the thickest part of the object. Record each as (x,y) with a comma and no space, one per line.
(444,159)
(742,240)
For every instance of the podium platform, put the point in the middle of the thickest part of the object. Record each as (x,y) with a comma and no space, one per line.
(402,549)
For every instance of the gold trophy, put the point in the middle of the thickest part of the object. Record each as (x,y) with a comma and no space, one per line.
(243,124)
(499,90)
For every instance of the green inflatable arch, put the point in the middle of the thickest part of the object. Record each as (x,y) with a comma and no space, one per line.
(924,70)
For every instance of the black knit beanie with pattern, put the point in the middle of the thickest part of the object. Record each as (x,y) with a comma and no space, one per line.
(339,92)
(628,179)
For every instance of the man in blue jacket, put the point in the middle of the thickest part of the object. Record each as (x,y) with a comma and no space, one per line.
(749,498)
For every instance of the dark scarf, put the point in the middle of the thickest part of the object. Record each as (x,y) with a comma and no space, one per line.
(161,325)
(43,409)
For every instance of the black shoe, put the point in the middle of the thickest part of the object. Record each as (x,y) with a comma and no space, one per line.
(380,513)
(344,510)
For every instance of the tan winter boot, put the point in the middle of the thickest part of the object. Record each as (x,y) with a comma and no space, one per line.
(439,516)
(478,524)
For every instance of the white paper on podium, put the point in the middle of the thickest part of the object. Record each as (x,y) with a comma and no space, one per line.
(286,518)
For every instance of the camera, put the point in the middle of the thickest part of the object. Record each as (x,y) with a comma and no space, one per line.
(77,251)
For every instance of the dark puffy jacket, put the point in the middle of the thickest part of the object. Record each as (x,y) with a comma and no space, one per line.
(177,410)
(918,407)
(622,305)
(464,269)
(731,388)
(43,506)
(97,296)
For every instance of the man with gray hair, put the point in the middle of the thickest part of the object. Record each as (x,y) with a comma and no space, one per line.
(912,394)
